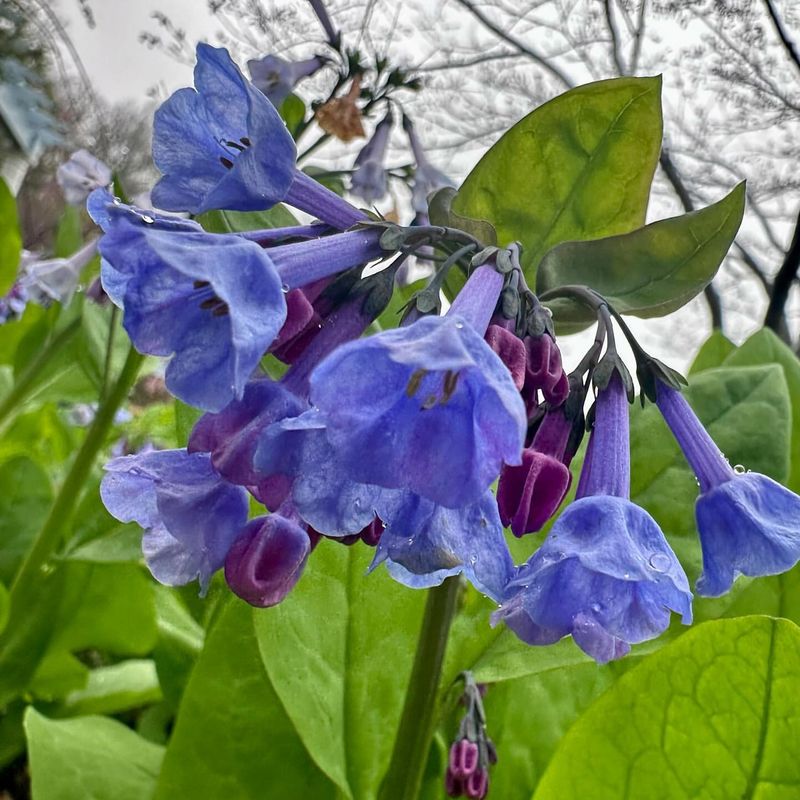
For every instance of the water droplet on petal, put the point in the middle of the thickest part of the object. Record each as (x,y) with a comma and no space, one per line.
(596,607)
(411,540)
(473,559)
(660,562)
(357,503)
(285,288)
(627,576)
(459,325)
(739,469)
(147,219)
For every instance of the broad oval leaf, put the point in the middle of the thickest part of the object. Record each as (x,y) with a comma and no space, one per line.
(89,757)
(338,652)
(712,715)
(649,272)
(578,167)
(232,738)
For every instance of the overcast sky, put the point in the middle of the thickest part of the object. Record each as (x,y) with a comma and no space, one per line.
(119,65)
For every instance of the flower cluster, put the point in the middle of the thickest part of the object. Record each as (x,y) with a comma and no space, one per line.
(395,438)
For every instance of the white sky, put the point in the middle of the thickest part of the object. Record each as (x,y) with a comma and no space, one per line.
(119,65)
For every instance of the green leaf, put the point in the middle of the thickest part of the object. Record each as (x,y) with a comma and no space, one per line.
(238,221)
(712,353)
(578,167)
(106,606)
(441,213)
(649,272)
(185,418)
(712,715)
(232,738)
(764,347)
(338,652)
(91,758)
(24,502)
(10,238)
(114,689)
(293,111)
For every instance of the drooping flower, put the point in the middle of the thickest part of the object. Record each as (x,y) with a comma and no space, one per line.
(56,279)
(428,407)
(544,374)
(748,524)
(226,293)
(213,302)
(224,145)
(266,561)
(369,179)
(276,77)
(605,573)
(81,175)
(190,514)
(427,179)
(511,351)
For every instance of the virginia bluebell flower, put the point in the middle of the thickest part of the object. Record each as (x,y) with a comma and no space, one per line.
(56,279)
(276,77)
(369,179)
(428,407)
(214,302)
(748,524)
(81,175)
(427,178)
(224,145)
(605,573)
(267,559)
(191,516)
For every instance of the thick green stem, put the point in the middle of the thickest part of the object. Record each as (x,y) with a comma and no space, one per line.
(23,643)
(28,376)
(48,537)
(417,724)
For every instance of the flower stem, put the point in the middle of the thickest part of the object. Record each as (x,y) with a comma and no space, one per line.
(25,586)
(28,376)
(415,732)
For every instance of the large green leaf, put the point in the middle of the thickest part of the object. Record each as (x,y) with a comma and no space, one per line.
(10,238)
(578,167)
(765,347)
(712,352)
(712,715)
(233,738)
(89,758)
(338,651)
(649,272)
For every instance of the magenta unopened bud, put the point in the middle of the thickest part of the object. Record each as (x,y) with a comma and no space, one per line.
(267,559)
(528,495)
(463,758)
(452,785)
(543,371)
(511,350)
(476,785)
(299,312)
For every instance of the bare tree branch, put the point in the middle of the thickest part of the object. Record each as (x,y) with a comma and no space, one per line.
(783,283)
(788,44)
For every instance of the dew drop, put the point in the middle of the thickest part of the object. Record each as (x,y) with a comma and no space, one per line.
(739,469)
(285,288)
(459,325)
(659,562)
(627,576)
(596,607)
(473,559)
(357,503)
(147,219)
(411,540)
